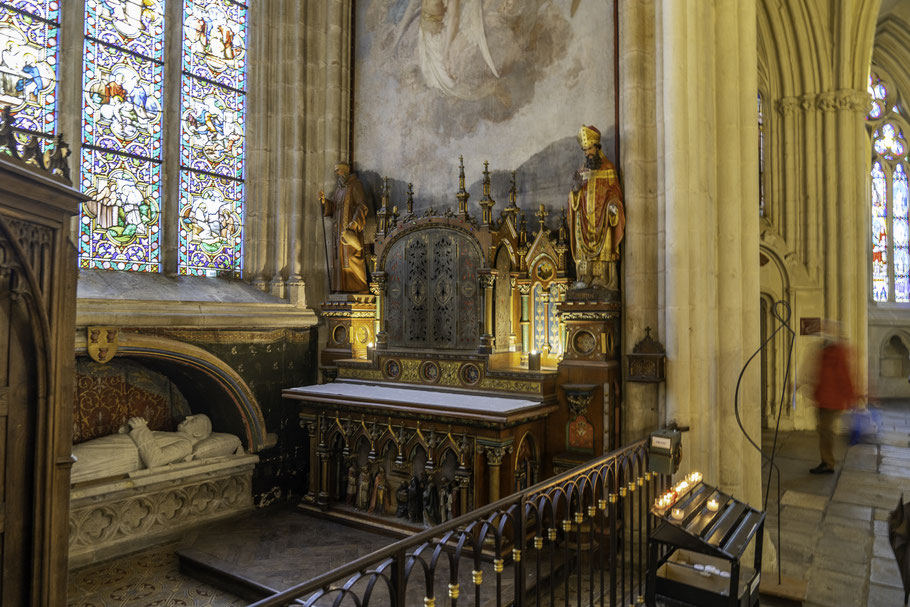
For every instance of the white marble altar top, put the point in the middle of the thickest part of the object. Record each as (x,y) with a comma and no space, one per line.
(440,400)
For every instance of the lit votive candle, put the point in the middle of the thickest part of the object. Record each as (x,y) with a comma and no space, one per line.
(694,478)
(713,505)
(676,513)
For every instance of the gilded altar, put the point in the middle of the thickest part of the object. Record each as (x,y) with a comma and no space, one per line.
(465,374)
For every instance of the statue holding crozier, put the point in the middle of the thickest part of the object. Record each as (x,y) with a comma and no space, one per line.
(596,217)
(348,207)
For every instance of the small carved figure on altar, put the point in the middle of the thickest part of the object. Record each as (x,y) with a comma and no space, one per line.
(430,504)
(351,490)
(402,496)
(363,489)
(415,500)
(596,216)
(381,499)
(348,207)
(445,503)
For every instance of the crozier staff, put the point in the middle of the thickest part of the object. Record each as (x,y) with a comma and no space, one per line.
(596,217)
(348,208)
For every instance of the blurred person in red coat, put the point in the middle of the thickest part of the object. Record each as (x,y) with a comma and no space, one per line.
(834,391)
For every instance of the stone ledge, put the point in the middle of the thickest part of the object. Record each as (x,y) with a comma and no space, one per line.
(157,313)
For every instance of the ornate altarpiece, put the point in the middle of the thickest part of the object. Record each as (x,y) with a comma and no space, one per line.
(459,305)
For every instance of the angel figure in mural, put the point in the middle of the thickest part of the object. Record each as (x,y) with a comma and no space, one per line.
(442,23)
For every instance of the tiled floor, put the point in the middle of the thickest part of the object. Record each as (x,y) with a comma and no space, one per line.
(147,579)
(833,534)
(834,531)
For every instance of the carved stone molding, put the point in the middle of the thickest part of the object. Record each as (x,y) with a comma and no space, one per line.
(787,106)
(114,518)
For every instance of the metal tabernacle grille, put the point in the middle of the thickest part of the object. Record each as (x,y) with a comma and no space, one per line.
(576,539)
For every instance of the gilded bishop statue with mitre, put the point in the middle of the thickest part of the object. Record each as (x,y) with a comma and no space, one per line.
(596,217)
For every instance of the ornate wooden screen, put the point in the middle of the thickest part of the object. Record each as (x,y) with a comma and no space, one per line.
(433,296)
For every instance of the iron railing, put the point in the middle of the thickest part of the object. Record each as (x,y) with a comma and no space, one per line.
(575,539)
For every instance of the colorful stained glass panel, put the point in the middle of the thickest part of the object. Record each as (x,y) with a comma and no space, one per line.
(136,25)
(121,107)
(28,65)
(211,220)
(120,227)
(900,222)
(212,121)
(889,142)
(214,41)
(43,9)
(879,234)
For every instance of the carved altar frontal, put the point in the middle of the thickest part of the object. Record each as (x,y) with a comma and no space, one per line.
(115,516)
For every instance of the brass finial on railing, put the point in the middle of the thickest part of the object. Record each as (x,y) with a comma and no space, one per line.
(487,203)
(462,194)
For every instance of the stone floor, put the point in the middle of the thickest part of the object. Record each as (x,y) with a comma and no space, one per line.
(834,535)
(834,530)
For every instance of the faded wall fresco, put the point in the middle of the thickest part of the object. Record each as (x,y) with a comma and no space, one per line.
(509,81)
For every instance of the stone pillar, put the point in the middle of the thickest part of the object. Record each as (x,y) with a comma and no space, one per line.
(310,424)
(642,279)
(487,280)
(297,128)
(708,203)
(377,288)
(495,453)
(525,290)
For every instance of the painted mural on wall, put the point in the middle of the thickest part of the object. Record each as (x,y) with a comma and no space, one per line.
(509,81)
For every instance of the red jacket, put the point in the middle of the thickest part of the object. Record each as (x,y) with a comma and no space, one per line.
(834,386)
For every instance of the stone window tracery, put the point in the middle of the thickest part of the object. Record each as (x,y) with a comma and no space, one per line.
(890,196)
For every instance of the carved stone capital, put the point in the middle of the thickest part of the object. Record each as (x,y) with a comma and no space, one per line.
(494,453)
(524,289)
(787,106)
(487,278)
(378,284)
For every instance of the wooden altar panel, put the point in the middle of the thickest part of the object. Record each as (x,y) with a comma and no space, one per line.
(433,292)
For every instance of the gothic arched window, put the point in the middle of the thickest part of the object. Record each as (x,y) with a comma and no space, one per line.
(890,196)
(129,139)
(29,34)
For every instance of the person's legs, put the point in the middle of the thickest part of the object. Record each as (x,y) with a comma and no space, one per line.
(826,419)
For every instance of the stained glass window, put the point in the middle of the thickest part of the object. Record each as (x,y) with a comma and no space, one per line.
(122,100)
(879,95)
(901,229)
(890,196)
(29,32)
(212,111)
(879,234)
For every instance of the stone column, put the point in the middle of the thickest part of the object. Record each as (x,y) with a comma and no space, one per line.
(377,288)
(708,212)
(487,280)
(525,290)
(495,453)
(298,127)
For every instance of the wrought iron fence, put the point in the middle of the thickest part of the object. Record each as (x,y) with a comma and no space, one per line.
(575,539)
